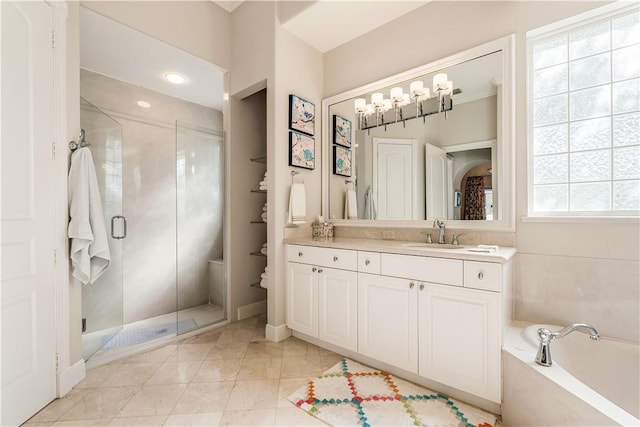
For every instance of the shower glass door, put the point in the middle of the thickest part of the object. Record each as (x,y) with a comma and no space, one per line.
(102,301)
(201,290)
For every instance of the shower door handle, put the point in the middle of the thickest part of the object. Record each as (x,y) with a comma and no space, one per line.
(124,227)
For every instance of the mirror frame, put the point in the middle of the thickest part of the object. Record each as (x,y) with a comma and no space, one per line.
(506,129)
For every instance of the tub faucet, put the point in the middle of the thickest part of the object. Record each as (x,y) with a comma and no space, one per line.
(440,225)
(545,336)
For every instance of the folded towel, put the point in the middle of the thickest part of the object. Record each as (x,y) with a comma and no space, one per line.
(484,248)
(263,283)
(297,204)
(350,205)
(263,251)
(89,251)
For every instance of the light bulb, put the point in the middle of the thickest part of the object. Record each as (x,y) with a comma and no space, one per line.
(396,94)
(416,88)
(439,82)
(377,99)
(360,105)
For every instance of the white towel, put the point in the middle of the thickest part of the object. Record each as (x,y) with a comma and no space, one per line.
(297,204)
(89,252)
(350,205)
(369,206)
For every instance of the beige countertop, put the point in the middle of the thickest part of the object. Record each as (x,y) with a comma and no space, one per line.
(502,255)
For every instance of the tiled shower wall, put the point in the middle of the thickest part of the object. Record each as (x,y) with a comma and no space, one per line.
(174,224)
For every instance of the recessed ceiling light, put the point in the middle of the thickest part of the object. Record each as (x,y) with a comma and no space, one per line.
(175,78)
(143,104)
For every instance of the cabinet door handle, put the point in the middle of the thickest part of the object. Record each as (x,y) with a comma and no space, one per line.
(300,253)
(335,258)
(480,275)
(411,285)
(421,287)
(319,270)
(367,262)
(313,269)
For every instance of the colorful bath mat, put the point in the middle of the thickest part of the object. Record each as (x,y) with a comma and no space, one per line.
(351,394)
(140,335)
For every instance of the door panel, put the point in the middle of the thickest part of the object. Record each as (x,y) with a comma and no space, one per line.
(338,307)
(28,292)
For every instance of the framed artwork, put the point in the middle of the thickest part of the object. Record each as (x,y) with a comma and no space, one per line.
(341,131)
(302,115)
(341,161)
(302,150)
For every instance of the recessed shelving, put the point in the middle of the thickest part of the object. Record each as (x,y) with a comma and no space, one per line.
(260,159)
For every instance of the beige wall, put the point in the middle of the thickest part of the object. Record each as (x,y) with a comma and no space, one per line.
(556,290)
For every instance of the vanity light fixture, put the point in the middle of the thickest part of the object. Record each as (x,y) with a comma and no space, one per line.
(397,100)
(175,78)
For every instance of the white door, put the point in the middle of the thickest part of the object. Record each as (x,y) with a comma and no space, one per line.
(436,181)
(338,307)
(460,338)
(394,178)
(27,213)
(388,320)
(302,298)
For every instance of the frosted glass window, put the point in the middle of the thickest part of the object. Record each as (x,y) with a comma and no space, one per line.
(550,139)
(626,30)
(626,162)
(626,129)
(626,96)
(590,197)
(591,134)
(550,110)
(550,52)
(589,103)
(590,40)
(626,63)
(591,71)
(551,198)
(550,81)
(551,169)
(584,116)
(626,195)
(590,166)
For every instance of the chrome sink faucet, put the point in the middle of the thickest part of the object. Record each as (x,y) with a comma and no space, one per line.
(440,225)
(545,336)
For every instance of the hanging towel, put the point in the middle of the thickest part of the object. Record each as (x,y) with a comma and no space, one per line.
(89,251)
(369,206)
(350,205)
(297,204)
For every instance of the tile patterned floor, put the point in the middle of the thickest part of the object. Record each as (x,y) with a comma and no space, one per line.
(229,376)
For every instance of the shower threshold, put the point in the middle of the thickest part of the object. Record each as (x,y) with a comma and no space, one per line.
(136,337)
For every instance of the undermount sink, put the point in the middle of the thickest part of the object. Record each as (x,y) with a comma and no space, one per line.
(416,245)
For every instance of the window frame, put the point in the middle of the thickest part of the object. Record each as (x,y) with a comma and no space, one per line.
(592,17)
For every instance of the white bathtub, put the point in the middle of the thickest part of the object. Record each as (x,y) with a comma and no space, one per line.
(591,383)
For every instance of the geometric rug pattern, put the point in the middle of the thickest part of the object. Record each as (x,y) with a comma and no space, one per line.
(147,333)
(353,394)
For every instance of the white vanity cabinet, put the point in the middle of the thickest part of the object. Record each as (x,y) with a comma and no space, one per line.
(322,301)
(459,341)
(388,320)
(440,318)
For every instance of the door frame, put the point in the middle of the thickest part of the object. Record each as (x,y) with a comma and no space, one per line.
(66,113)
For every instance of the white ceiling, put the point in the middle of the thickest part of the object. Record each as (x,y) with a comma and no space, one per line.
(117,51)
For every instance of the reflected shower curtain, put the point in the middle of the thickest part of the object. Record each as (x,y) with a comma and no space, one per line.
(474,198)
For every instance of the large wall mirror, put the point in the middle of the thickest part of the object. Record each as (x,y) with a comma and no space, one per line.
(433,142)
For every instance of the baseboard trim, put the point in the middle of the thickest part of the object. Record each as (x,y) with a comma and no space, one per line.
(71,376)
(277,333)
(250,310)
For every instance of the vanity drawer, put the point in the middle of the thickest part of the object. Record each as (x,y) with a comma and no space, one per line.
(369,262)
(303,254)
(343,259)
(427,269)
(483,275)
